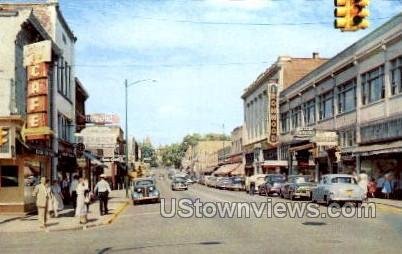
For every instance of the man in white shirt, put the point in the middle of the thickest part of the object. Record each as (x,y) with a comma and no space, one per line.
(73,191)
(102,188)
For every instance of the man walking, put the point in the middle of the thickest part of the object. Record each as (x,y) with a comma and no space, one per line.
(73,191)
(103,189)
(41,193)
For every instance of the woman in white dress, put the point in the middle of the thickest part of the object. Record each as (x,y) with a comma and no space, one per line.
(81,210)
(56,198)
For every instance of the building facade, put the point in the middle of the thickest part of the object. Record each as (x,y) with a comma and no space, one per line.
(261,119)
(346,115)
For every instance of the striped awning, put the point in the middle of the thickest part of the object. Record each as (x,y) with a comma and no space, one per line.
(226,169)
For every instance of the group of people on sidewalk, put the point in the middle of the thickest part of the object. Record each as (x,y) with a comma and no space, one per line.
(49,199)
(384,186)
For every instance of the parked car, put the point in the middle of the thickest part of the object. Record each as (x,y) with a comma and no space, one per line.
(252,182)
(201,179)
(210,181)
(338,188)
(236,183)
(223,183)
(144,189)
(272,184)
(297,186)
(179,183)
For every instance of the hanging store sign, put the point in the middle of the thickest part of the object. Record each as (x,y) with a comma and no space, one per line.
(273,114)
(325,138)
(102,119)
(36,53)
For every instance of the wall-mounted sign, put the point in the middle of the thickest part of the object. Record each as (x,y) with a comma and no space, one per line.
(39,52)
(36,58)
(303,133)
(103,119)
(325,138)
(273,114)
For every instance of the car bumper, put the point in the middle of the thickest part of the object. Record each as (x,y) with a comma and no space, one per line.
(145,198)
(179,187)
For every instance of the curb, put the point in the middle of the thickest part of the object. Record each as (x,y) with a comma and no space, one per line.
(114,215)
(390,205)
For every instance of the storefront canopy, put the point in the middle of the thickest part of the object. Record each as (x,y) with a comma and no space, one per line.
(226,169)
(208,170)
(391,147)
(239,171)
(93,159)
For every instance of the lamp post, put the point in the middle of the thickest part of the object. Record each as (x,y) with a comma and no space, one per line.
(127,85)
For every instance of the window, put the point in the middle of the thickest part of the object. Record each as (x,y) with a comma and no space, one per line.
(347,138)
(64,78)
(347,96)
(396,76)
(64,128)
(8,176)
(327,105)
(296,117)
(373,88)
(309,112)
(285,122)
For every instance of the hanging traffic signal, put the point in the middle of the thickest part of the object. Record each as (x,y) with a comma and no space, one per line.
(360,14)
(3,136)
(350,15)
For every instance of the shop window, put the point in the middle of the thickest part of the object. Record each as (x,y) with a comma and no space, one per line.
(373,88)
(8,176)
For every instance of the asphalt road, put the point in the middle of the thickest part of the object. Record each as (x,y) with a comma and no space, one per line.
(141,229)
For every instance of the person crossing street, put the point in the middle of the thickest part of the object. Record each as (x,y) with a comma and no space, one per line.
(102,188)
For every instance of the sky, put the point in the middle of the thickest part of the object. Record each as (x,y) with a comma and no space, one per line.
(203,54)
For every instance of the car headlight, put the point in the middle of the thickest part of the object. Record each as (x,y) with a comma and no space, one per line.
(151,188)
(138,190)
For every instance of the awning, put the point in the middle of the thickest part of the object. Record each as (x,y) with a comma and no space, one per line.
(275,163)
(239,171)
(391,147)
(302,147)
(226,169)
(209,170)
(93,159)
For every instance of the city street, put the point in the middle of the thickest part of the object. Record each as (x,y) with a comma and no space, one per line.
(141,229)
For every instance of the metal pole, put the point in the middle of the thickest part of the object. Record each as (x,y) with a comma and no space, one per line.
(126,157)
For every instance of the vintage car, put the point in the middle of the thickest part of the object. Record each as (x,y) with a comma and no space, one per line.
(144,189)
(297,186)
(252,182)
(236,183)
(338,188)
(272,184)
(210,181)
(179,183)
(223,183)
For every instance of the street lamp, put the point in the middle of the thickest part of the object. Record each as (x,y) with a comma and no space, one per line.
(127,85)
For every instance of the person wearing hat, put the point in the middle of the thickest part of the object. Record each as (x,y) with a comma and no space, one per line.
(41,193)
(103,189)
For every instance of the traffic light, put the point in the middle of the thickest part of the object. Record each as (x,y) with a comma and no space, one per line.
(3,136)
(350,15)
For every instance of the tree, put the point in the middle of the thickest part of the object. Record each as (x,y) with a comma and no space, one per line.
(148,154)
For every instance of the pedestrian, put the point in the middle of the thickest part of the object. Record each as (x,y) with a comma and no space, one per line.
(380,183)
(372,188)
(41,193)
(363,182)
(73,191)
(387,187)
(65,190)
(102,188)
(81,209)
(56,198)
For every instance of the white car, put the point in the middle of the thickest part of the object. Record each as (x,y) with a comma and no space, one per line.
(338,188)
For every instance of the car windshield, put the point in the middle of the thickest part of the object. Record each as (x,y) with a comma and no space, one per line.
(276,179)
(144,183)
(344,179)
(180,179)
(236,180)
(299,179)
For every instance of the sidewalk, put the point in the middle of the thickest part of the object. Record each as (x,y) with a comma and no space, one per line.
(66,221)
(388,202)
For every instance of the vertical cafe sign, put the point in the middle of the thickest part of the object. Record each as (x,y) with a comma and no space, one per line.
(273,114)
(37,57)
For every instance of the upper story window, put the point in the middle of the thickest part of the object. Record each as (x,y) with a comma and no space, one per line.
(64,128)
(327,105)
(64,84)
(396,75)
(347,138)
(309,112)
(296,117)
(347,96)
(373,88)
(285,122)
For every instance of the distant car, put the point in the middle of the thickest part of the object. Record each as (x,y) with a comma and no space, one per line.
(253,182)
(338,188)
(144,189)
(210,181)
(236,183)
(179,183)
(190,181)
(297,186)
(272,184)
(223,183)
